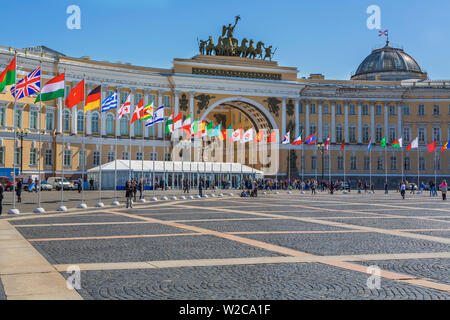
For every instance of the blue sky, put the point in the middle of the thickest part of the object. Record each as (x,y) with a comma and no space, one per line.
(328,37)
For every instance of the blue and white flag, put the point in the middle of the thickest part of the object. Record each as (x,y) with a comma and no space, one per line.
(370,145)
(110,102)
(158,116)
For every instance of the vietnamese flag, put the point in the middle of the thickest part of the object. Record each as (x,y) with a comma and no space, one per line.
(8,76)
(432,146)
(76,95)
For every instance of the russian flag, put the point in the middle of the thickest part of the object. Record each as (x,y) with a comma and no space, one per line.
(311,139)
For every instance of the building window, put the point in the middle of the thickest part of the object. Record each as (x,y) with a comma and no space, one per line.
(437,163)
(138,155)
(48,157)
(352,133)
(124,126)
(353,163)
(312,108)
(326,109)
(152,98)
(393,163)
(95,123)
(435,110)
(67,158)
(392,134)
(365,133)
(109,93)
(111,156)
(421,134)
(378,134)
(96,159)
(66,120)
(167,101)
(2,117)
(123,97)
(138,98)
(109,124)
(49,121)
(421,163)
(2,156)
(366,163)
(312,128)
(313,163)
(437,134)
(137,128)
(378,109)
(153,156)
(365,109)
(421,110)
(82,159)
(406,110)
(151,131)
(33,156)
(33,119)
(380,163)
(326,130)
(406,134)
(352,109)
(167,156)
(339,109)
(391,110)
(17,156)
(18,119)
(80,121)
(407,165)
(340,163)
(300,127)
(125,156)
(339,132)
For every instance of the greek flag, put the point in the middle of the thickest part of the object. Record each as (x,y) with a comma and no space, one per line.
(158,116)
(110,102)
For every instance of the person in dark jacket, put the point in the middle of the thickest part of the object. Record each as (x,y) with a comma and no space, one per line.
(134,186)
(201,185)
(141,188)
(19,190)
(1,197)
(129,194)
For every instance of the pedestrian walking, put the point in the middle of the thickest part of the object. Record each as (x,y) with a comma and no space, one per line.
(141,188)
(201,185)
(91,182)
(79,185)
(19,190)
(129,193)
(402,190)
(444,188)
(386,188)
(1,198)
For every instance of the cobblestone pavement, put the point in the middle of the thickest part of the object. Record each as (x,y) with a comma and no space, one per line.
(284,246)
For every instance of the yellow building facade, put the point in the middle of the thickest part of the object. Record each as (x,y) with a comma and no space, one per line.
(388,96)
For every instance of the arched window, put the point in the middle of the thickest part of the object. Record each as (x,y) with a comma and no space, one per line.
(124,126)
(66,120)
(109,124)
(138,128)
(80,121)
(95,123)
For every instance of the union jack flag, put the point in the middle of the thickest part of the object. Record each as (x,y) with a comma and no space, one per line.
(29,85)
(382,33)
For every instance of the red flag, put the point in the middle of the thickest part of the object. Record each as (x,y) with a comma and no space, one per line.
(343,145)
(76,95)
(259,136)
(272,137)
(138,111)
(431,146)
(327,143)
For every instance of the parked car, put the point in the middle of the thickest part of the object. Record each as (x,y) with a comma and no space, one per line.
(46,186)
(7,183)
(412,186)
(56,183)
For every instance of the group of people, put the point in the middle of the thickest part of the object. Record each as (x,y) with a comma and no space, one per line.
(131,188)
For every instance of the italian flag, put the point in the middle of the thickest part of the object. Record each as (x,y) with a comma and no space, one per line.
(8,76)
(397,143)
(53,89)
(169,124)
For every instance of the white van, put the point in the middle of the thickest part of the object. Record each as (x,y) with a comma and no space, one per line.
(56,183)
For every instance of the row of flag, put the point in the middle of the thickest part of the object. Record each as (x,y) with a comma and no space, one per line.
(54,89)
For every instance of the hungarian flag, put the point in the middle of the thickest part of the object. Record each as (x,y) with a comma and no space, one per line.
(298,140)
(397,143)
(432,146)
(138,111)
(414,144)
(383,142)
(76,95)
(342,145)
(8,76)
(53,89)
(93,99)
(272,137)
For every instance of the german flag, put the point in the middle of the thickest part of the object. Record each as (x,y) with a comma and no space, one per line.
(93,99)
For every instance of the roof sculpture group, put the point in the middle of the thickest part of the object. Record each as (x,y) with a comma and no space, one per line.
(229,46)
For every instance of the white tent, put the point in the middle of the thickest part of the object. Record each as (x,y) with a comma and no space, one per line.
(174,171)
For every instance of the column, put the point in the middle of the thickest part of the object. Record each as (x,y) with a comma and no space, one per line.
(399,120)
(177,102)
(359,123)
(333,122)
(307,119)
(160,103)
(132,94)
(346,122)
(102,114)
(297,115)
(191,105)
(119,97)
(74,119)
(372,122)
(386,129)
(320,122)
(283,117)
(59,116)
(146,95)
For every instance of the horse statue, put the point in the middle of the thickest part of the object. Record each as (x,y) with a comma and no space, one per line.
(220,47)
(202,46)
(210,47)
(251,52)
(242,50)
(259,49)
(227,47)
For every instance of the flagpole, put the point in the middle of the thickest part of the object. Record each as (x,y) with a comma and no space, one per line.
(142,164)
(370,165)
(14,210)
(435,165)
(343,151)
(385,162)
(100,202)
(82,205)
(129,142)
(62,207)
(418,168)
(39,209)
(115,202)
(403,164)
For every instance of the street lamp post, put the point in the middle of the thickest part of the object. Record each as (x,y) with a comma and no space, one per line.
(321,148)
(21,133)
